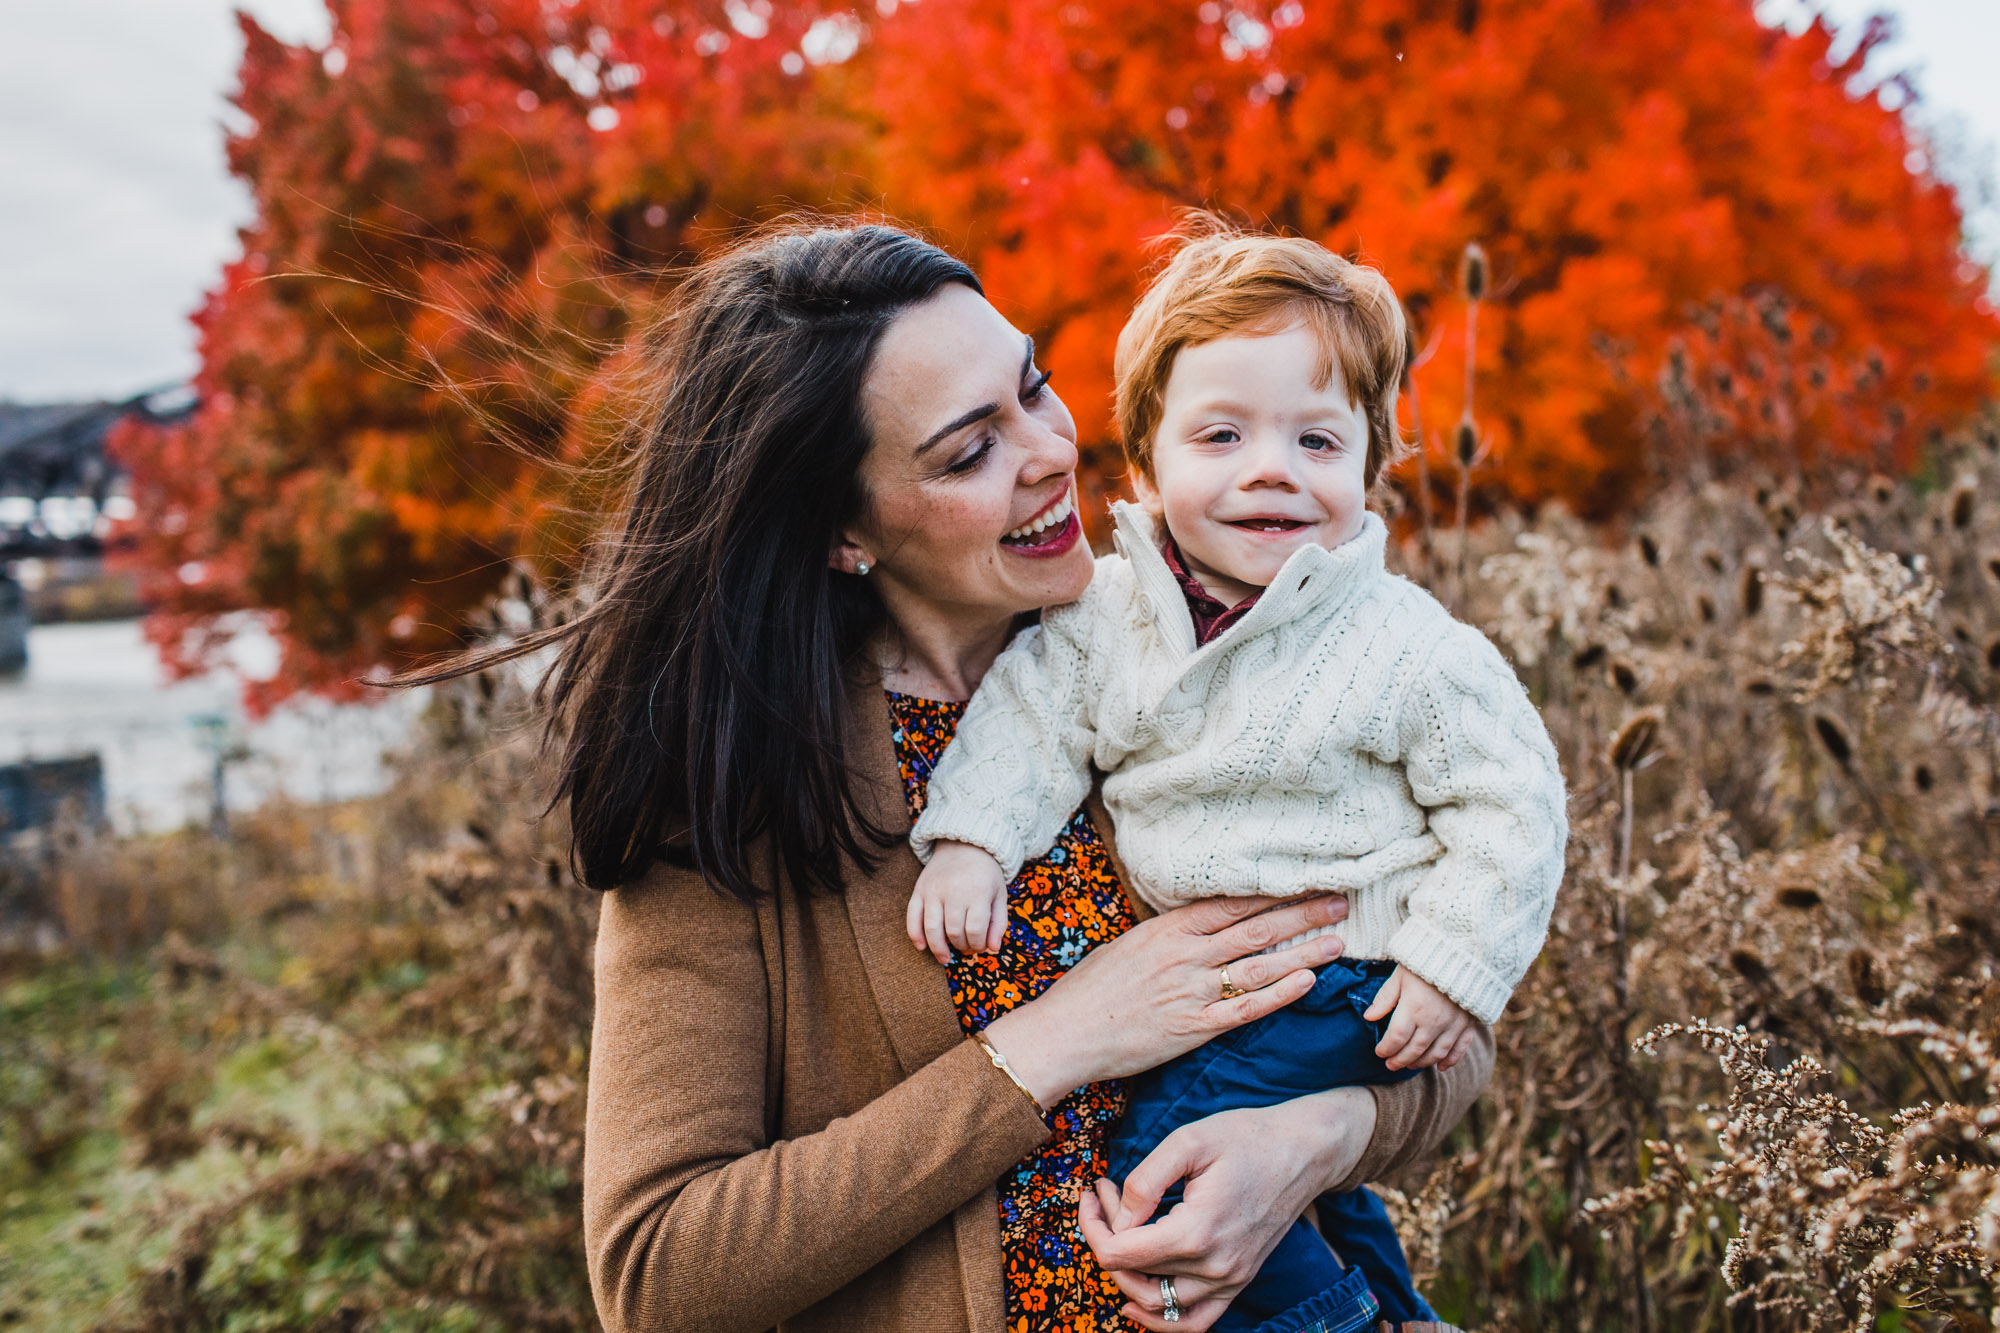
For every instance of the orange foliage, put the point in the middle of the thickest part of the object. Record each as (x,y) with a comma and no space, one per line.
(482,185)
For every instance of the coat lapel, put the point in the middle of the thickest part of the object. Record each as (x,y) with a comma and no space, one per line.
(909,987)
(910,990)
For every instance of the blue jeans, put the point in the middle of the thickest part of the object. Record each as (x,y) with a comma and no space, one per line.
(1317,1042)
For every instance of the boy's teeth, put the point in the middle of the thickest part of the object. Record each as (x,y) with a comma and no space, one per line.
(1050,519)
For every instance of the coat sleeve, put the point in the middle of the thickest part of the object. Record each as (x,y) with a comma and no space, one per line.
(1480,762)
(1412,1117)
(1019,764)
(694,1217)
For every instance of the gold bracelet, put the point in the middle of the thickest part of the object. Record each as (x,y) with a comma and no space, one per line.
(1000,1063)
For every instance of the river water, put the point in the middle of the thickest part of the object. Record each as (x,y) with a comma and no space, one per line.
(98,687)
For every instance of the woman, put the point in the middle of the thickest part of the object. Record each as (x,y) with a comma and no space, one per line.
(840,516)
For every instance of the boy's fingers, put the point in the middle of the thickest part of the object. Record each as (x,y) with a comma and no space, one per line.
(913,920)
(978,916)
(1433,1050)
(1401,1027)
(1412,1050)
(996,932)
(1385,999)
(934,931)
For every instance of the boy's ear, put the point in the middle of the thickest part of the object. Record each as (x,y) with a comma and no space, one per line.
(1143,490)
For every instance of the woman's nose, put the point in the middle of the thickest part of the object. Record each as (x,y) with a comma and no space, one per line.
(1050,454)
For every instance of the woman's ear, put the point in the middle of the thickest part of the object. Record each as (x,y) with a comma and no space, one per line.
(849,558)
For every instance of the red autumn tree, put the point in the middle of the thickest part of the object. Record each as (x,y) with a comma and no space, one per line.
(1636,171)
(1673,197)
(449,242)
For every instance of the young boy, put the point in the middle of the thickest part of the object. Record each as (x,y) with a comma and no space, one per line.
(1274,714)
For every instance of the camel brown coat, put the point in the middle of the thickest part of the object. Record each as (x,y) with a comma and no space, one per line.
(789,1130)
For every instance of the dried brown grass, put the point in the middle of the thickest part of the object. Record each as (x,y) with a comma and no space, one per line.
(1749,1084)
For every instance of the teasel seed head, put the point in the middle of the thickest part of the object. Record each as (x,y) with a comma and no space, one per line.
(1753,590)
(1472,272)
(1749,966)
(1465,441)
(1866,977)
(1636,741)
(1625,677)
(1834,738)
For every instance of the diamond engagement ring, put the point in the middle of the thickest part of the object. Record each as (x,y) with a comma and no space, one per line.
(1230,990)
(1172,1302)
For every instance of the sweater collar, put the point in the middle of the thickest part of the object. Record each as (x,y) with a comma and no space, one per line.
(1312,577)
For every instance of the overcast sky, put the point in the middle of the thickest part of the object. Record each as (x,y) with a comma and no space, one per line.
(116,211)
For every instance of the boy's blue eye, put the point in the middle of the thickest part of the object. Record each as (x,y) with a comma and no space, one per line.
(1315,440)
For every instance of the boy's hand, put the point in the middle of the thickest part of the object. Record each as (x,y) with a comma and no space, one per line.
(1427,1029)
(960,902)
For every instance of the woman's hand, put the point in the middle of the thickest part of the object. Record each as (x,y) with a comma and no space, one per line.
(1249,1175)
(1156,991)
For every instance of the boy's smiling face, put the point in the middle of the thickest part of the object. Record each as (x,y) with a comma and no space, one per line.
(1251,462)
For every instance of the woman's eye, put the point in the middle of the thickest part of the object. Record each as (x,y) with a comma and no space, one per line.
(1039,388)
(973,459)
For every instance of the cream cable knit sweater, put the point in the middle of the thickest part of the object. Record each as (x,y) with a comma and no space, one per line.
(1346,734)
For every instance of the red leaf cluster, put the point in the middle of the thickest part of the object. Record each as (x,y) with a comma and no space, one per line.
(461,204)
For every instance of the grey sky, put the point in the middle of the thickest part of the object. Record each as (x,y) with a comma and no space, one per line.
(116,210)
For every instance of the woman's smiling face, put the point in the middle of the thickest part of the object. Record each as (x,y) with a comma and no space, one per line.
(1251,461)
(970,501)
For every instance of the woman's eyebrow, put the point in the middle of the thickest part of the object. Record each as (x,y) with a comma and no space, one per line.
(980,413)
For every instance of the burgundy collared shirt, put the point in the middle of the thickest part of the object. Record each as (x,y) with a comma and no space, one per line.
(1210,616)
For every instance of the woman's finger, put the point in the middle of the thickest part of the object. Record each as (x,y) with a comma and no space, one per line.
(1143,1289)
(1262,969)
(1210,915)
(1227,1014)
(1258,933)
(1194,1318)
(913,919)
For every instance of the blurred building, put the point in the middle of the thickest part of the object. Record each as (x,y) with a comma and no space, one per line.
(61,496)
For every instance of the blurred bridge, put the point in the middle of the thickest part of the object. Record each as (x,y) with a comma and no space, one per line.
(59,491)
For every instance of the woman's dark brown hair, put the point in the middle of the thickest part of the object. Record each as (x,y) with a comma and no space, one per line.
(698,702)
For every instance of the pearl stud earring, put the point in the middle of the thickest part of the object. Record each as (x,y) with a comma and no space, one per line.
(862,567)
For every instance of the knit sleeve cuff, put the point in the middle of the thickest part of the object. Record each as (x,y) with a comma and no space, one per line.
(1454,969)
(981,828)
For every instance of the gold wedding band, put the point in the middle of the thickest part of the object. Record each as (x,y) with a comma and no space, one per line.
(1230,990)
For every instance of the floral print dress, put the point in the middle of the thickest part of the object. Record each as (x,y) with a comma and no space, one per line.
(1059,908)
